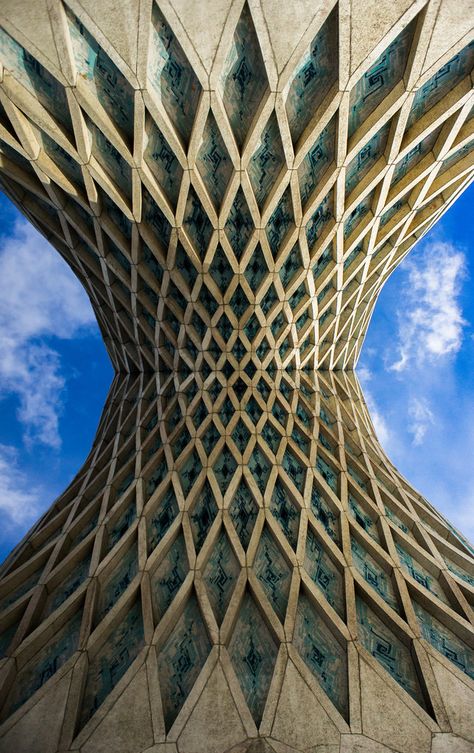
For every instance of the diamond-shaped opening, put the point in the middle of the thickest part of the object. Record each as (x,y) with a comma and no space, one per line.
(444,640)
(281,222)
(151,264)
(380,79)
(189,472)
(317,161)
(424,576)
(45,663)
(154,219)
(252,327)
(256,269)
(239,225)
(210,438)
(243,510)
(244,77)
(253,651)
(316,73)
(323,511)
(207,300)
(239,302)
(250,369)
(292,265)
(161,518)
(225,327)
(271,436)
(180,442)
(159,472)
(373,573)
(227,411)
(71,578)
(108,157)
(263,349)
(323,653)
(168,577)
(319,220)
(358,214)
(220,269)
(171,77)
(224,468)
(273,572)
(363,517)
(267,161)
(200,414)
(112,660)
(280,413)
(220,575)
(366,158)
(203,515)
(163,163)
(260,468)
(324,572)
(285,513)
(181,659)
(269,299)
(253,410)
(414,156)
(241,436)
(116,581)
(185,267)
(213,162)
(329,474)
(388,649)
(239,350)
(197,224)
(120,521)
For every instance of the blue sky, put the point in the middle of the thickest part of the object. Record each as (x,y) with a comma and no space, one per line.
(416,369)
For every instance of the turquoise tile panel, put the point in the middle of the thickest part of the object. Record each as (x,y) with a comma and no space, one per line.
(203,515)
(110,159)
(327,472)
(325,515)
(420,573)
(295,469)
(358,214)
(253,653)
(394,656)
(168,576)
(112,588)
(68,584)
(366,158)
(414,156)
(315,164)
(322,653)
(221,271)
(363,518)
(256,269)
(244,79)
(163,163)
(239,225)
(213,162)
(243,511)
(156,221)
(197,223)
(63,160)
(319,220)
(267,161)
(172,79)
(273,573)
(280,223)
(220,575)
(285,513)
(162,518)
(445,641)
(292,266)
(111,662)
(181,659)
(459,571)
(224,468)
(260,468)
(374,574)
(326,575)
(314,76)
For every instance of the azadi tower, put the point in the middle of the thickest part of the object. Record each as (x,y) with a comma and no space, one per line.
(237,567)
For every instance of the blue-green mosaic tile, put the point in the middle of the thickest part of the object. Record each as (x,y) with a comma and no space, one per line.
(357,478)
(366,158)
(44,664)
(197,223)
(118,581)
(213,162)
(68,585)
(163,163)
(208,301)
(285,513)
(239,302)
(394,656)
(364,519)
(210,438)
(358,214)
(354,254)
(293,264)
(168,576)
(420,573)
(459,571)
(203,515)
(253,410)
(295,469)
(256,269)
(324,573)
(317,161)
(381,78)
(22,589)
(122,524)
(185,267)
(189,472)
(323,654)
(319,220)
(31,74)
(458,155)
(241,436)
(239,225)
(244,78)
(110,159)
(392,211)
(445,641)
(181,659)
(220,575)
(224,468)
(303,442)
(260,468)
(243,510)
(374,574)
(395,519)
(156,220)
(316,73)
(156,478)
(280,223)
(173,80)
(414,156)
(94,66)
(63,160)
(221,270)
(273,572)
(327,472)
(253,653)
(162,518)
(267,161)
(150,259)
(441,83)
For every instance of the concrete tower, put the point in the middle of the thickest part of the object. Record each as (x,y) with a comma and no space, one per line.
(237,566)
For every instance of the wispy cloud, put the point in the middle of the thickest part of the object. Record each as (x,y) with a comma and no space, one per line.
(39,299)
(430,318)
(19,503)
(380,425)
(421,418)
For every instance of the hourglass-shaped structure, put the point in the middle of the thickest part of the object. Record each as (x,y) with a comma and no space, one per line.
(237,567)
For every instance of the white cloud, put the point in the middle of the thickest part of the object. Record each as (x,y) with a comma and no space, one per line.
(19,504)
(39,298)
(380,425)
(421,417)
(430,316)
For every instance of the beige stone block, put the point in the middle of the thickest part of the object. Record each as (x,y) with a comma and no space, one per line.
(300,720)
(458,699)
(39,729)
(448,743)
(361,744)
(214,724)
(387,719)
(128,723)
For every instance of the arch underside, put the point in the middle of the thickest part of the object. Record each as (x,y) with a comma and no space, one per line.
(237,564)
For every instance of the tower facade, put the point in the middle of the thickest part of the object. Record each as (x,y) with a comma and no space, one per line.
(237,566)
